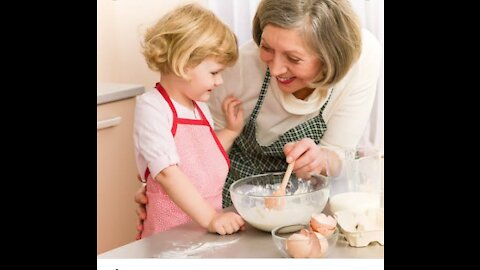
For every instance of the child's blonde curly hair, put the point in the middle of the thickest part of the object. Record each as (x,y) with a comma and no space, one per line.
(185,37)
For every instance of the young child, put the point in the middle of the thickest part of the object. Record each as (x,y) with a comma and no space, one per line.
(183,161)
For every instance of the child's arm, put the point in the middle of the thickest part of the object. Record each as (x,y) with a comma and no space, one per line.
(186,196)
(232,108)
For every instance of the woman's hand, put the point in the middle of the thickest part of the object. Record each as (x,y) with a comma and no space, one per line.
(232,108)
(226,223)
(142,200)
(310,158)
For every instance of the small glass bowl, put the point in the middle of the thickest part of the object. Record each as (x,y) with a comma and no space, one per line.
(302,248)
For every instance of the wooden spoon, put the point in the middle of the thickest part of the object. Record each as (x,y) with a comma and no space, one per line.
(280,202)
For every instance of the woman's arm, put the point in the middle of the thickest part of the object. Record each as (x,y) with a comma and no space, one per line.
(349,109)
(243,80)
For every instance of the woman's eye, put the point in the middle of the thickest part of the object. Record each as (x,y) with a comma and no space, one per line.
(265,48)
(293,60)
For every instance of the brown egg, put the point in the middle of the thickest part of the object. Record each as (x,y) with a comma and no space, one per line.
(299,245)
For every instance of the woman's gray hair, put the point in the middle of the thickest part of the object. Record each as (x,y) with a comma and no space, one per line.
(330,27)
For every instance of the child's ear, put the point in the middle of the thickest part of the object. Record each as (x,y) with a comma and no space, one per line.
(186,71)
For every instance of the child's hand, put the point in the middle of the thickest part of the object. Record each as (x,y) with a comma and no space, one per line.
(226,223)
(232,108)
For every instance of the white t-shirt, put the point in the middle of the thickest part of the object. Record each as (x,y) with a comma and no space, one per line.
(346,114)
(152,131)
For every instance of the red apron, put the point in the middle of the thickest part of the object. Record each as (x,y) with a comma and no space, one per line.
(202,159)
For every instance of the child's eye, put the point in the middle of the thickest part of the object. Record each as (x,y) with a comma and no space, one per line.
(214,73)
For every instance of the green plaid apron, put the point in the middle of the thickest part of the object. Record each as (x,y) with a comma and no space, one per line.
(248,157)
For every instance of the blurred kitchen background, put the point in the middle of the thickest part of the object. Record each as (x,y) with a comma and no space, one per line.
(122,74)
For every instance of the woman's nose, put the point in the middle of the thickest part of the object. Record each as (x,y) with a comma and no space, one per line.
(277,67)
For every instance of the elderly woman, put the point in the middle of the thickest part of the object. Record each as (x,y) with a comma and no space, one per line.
(307,83)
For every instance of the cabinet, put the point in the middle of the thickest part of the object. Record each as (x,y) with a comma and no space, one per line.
(116,175)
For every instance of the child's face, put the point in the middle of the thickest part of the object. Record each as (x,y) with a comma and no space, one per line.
(204,78)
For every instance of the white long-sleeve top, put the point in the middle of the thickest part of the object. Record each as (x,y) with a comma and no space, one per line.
(346,114)
(152,131)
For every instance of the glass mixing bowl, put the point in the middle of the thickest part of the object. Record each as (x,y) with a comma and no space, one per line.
(302,199)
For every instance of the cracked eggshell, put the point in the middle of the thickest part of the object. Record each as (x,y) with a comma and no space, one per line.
(323,224)
(316,251)
(320,248)
(299,245)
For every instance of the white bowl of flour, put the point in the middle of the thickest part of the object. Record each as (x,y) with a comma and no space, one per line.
(302,199)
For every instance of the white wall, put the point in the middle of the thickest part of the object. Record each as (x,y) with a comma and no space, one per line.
(371,13)
(121,24)
(238,14)
(120,27)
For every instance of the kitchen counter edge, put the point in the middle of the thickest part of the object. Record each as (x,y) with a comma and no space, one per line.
(110,92)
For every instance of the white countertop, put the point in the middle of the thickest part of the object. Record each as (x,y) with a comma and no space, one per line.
(109,92)
(188,241)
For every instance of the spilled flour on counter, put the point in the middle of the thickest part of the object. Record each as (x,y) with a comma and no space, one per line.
(194,250)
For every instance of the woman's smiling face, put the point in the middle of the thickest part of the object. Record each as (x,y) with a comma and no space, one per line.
(292,63)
